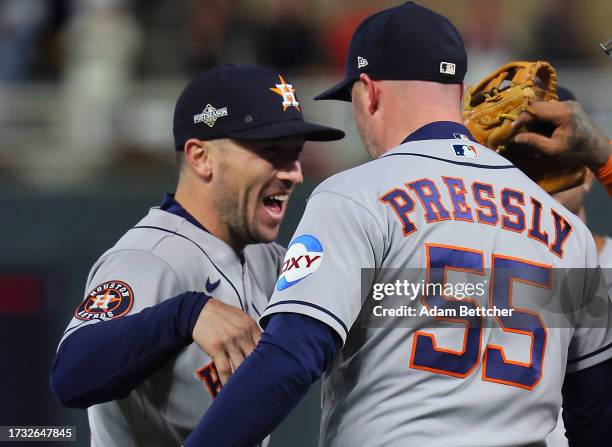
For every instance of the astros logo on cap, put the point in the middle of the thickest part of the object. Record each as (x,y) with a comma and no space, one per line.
(287,92)
(109,300)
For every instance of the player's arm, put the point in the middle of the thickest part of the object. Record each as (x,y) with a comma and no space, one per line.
(293,353)
(575,140)
(101,360)
(317,299)
(587,406)
(107,360)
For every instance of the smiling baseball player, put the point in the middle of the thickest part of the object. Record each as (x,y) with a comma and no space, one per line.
(435,202)
(128,352)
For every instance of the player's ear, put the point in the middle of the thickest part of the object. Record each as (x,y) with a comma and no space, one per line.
(197,157)
(372,93)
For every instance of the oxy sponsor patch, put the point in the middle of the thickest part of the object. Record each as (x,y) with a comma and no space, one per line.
(109,300)
(302,259)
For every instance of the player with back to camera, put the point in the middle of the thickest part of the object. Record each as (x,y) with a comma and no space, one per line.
(128,353)
(432,200)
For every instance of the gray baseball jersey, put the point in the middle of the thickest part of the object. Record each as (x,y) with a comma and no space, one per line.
(442,208)
(162,256)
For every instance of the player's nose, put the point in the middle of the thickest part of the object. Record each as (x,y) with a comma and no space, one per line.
(291,172)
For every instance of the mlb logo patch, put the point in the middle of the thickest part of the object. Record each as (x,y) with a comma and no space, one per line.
(465,151)
(447,68)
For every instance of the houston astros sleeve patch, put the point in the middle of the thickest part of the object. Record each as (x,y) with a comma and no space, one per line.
(111,299)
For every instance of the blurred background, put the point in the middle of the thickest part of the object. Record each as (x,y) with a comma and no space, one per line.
(87,92)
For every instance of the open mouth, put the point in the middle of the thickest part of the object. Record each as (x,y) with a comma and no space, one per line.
(274,203)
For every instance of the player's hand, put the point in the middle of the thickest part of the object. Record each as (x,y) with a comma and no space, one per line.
(227,335)
(575,140)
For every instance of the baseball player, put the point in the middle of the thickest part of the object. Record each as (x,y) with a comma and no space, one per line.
(128,352)
(437,205)
(573,200)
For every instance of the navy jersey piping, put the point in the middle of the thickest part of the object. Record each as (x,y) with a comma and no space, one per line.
(462,163)
(594,353)
(322,309)
(256,310)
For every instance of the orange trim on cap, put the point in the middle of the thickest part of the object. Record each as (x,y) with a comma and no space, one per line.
(604,174)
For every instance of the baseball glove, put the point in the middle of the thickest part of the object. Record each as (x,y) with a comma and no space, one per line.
(494,104)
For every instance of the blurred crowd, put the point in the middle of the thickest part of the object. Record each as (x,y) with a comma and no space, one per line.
(49,40)
(45,40)
(103,63)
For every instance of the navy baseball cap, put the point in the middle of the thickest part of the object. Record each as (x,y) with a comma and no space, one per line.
(244,102)
(407,42)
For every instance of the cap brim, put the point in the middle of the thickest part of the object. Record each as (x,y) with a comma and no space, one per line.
(289,128)
(339,92)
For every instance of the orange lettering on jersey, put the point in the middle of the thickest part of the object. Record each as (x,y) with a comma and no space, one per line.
(562,231)
(535,232)
(457,192)
(209,375)
(428,194)
(401,203)
(508,211)
(512,202)
(490,217)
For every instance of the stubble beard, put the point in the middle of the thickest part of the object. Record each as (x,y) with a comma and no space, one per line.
(232,213)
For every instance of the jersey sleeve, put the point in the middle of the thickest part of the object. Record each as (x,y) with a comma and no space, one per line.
(321,272)
(591,341)
(604,174)
(124,283)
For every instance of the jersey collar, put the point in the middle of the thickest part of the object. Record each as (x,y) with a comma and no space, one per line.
(439,130)
(170,205)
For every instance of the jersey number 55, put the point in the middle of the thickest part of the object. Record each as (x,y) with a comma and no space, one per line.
(496,366)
